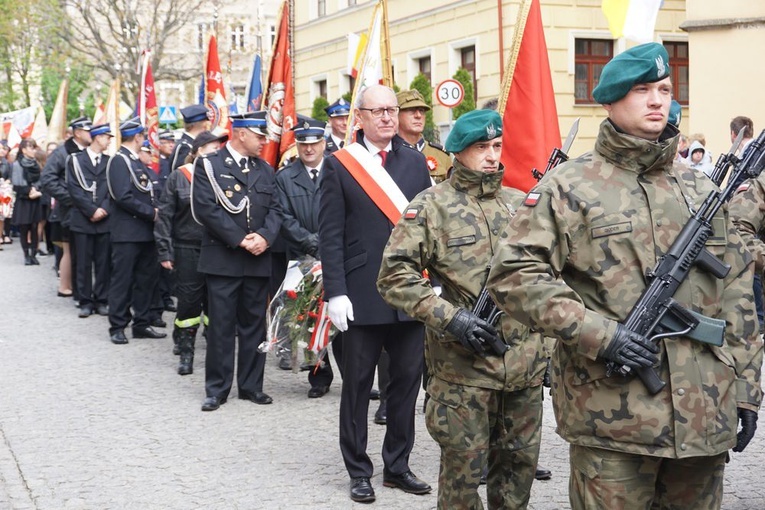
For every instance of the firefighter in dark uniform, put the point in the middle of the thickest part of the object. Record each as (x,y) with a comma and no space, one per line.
(179,240)
(233,196)
(88,221)
(195,121)
(338,122)
(135,269)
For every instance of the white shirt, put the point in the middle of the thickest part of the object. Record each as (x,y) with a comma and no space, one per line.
(375,152)
(93,155)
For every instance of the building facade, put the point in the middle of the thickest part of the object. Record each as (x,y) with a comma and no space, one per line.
(438,37)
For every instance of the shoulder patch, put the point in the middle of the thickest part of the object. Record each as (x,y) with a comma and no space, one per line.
(411,214)
(532,199)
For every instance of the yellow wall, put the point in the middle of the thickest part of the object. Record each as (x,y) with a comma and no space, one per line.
(439,25)
(726,69)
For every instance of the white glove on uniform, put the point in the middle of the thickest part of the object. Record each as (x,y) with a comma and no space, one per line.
(340,311)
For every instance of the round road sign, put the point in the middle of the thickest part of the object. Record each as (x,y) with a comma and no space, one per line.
(450,93)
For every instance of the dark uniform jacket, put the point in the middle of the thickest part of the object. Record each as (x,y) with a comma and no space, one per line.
(330,146)
(132,210)
(221,253)
(299,201)
(53,180)
(182,149)
(85,203)
(175,224)
(353,231)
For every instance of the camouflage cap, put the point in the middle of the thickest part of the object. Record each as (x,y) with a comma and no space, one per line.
(411,99)
(647,63)
(675,114)
(472,127)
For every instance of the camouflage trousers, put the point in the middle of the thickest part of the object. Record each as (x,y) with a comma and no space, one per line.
(606,479)
(474,426)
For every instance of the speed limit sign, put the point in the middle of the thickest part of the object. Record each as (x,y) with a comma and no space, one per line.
(450,93)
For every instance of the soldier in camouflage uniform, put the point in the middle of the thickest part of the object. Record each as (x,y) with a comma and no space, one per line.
(483,404)
(571,264)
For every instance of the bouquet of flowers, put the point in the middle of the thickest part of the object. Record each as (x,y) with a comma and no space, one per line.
(297,319)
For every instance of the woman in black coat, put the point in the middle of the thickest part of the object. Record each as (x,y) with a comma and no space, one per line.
(27,213)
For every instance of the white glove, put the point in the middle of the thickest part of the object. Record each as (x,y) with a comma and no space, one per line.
(340,311)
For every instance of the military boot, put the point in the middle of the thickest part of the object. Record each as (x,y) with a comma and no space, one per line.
(186,339)
(176,341)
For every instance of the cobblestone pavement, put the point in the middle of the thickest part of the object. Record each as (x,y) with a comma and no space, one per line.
(85,424)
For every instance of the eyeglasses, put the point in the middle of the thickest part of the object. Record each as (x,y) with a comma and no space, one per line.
(378,112)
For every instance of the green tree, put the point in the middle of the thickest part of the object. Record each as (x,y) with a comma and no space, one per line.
(318,112)
(468,103)
(348,96)
(422,84)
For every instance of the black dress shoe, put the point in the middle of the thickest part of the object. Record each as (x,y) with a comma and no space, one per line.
(158,323)
(147,332)
(407,482)
(542,473)
(102,309)
(28,261)
(34,260)
(318,391)
(213,403)
(381,415)
(85,311)
(374,394)
(118,338)
(258,397)
(361,490)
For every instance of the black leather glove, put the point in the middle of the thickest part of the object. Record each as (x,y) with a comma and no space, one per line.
(748,420)
(630,349)
(473,333)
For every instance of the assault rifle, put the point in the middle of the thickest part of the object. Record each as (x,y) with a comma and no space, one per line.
(558,156)
(726,160)
(656,314)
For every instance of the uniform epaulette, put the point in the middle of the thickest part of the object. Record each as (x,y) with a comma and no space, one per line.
(439,147)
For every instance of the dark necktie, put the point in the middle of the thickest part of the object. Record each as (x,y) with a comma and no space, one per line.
(98,160)
(244,165)
(342,143)
(314,174)
(383,157)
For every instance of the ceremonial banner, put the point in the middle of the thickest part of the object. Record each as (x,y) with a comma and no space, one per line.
(215,95)
(374,66)
(99,116)
(255,90)
(633,19)
(527,102)
(57,125)
(113,116)
(147,109)
(280,95)
(40,129)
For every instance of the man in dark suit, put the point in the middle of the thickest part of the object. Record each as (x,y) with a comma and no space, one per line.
(234,197)
(88,221)
(337,114)
(353,232)
(135,268)
(195,121)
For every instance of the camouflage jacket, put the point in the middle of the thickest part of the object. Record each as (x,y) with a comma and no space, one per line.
(451,229)
(747,209)
(571,264)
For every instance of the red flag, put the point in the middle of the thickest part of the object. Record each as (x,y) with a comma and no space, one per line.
(527,104)
(147,109)
(280,98)
(215,96)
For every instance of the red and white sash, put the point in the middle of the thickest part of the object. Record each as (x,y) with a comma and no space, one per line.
(374,180)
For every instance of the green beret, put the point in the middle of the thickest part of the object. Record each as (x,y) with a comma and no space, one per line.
(675,113)
(646,63)
(472,127)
